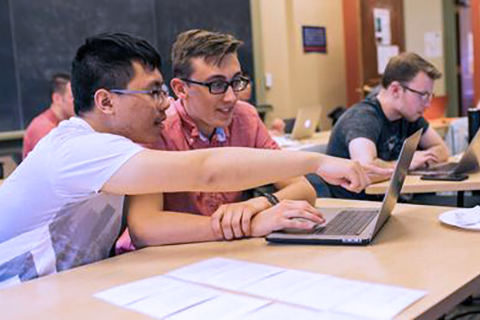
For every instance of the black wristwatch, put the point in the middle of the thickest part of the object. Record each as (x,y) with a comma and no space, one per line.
(270,197)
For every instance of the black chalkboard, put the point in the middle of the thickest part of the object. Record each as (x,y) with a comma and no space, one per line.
(40,38)
(230,16)
(10,119)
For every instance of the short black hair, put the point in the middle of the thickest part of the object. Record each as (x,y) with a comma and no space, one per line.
(105,62)
(59,82)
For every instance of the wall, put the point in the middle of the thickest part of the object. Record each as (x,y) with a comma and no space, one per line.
(422,17)
(476,47)
(300,79)
(276,56)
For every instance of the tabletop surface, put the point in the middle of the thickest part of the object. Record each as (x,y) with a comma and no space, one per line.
(413,184)
(413,250)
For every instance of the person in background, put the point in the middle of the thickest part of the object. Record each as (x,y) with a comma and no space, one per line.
(373,131)
(62,206)
(61,108)
(209,113)
(277,127)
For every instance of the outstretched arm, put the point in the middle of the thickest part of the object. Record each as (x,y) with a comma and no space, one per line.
(227,169)
(364,151)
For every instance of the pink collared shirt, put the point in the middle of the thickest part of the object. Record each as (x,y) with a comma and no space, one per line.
(181,134)
(40,126)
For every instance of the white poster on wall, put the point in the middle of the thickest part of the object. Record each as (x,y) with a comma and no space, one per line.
(384,53)
(470,53)
(381,22)
(433,44)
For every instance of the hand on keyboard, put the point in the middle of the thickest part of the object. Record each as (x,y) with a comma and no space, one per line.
(286,214)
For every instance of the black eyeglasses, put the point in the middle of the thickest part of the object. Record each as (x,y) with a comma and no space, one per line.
(221,86)
(426,96)
(158,95)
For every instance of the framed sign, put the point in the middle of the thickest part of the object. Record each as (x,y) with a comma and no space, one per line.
(314,39)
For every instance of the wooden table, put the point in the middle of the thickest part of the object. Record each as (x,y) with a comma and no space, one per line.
(413,184)
(412,250)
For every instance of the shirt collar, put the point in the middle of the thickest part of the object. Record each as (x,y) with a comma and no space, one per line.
(221,134)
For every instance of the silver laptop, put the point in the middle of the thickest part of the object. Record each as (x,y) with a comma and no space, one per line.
(306,122)
(355,226)
(469,162)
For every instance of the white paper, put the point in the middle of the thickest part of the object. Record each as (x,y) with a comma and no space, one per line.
(381,20)
(308,295)
(325,294)
(433,44)
(225,273)
(285,312)
(380,301)
(134,291)
(181,296)
(226,306)
(384,54)
(283,284)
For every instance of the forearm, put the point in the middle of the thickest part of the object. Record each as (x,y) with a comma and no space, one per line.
(296,189)
(383,164)
(374,178)
(165,227)
(210,170)
(229,172)
(440,152)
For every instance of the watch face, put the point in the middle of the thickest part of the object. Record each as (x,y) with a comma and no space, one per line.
(271,198)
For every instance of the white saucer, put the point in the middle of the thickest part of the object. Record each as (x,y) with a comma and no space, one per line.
(452,218)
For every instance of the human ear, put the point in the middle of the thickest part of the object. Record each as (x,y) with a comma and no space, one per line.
(103,101)
(395,89)
(179,88)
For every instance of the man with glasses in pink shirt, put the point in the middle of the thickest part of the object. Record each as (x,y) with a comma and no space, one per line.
(207,79)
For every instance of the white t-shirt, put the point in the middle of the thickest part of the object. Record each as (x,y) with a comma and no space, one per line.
(53,216)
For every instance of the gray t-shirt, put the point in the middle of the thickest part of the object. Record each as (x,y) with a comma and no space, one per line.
(367,120)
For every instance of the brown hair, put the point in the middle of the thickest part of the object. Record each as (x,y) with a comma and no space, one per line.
(404,67)
(59,82)
(213,46)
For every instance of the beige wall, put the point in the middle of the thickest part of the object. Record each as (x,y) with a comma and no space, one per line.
(299,79)
(422,17)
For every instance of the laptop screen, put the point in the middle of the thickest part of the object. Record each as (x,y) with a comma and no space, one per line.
(469,161)
(398,177)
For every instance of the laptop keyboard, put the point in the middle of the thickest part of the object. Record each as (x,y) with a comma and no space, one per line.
(348,222)
(449,166)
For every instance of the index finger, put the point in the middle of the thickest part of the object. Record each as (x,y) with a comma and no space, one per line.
(302,205)
(371,169)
